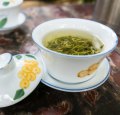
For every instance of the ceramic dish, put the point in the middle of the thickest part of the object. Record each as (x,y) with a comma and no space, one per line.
(13,86)
(101,76)
(9,28)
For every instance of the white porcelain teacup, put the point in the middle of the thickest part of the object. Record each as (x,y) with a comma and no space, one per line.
(9,13)
(7,65)
(74,68)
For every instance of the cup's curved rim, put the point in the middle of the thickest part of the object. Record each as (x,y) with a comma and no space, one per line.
(13,6)
(1,68)
(75,56)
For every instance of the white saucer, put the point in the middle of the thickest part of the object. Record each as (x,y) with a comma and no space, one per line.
(10,84)
(101,76)
(9,28)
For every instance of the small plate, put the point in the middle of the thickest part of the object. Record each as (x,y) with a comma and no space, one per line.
(10,90)
(100,77)
(9,28)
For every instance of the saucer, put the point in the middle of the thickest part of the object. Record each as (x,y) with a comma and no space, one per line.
(10,27)
(101,76)
(14,88)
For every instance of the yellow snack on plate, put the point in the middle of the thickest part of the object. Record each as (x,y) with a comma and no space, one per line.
(28,73)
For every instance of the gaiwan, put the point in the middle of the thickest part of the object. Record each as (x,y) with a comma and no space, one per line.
(73,49)
(9,12)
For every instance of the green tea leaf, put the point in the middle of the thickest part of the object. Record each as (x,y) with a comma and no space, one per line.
(73,45)
(19,94)
(3,22)
(6,3)
(18,56)
(30,56)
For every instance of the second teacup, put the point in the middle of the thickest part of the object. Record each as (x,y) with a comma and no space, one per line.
(9,12)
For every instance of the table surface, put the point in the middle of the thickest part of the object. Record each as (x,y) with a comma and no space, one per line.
(104,100)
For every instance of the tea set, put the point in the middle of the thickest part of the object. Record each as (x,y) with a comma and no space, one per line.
(21,74)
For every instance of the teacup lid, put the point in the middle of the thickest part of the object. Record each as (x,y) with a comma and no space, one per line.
(22,80)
